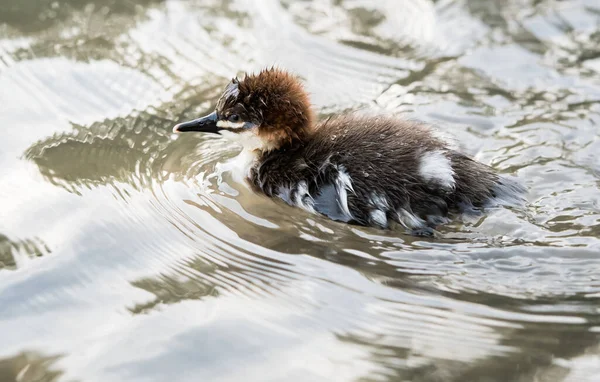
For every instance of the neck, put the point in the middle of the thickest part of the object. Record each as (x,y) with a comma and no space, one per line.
(254,148)
(287,130)
(282,140)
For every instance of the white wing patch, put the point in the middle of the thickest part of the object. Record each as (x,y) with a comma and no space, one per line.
(379,201)
(302,197)
(436,167)
(378,217)
(379,213)
(409,220)
(343,185)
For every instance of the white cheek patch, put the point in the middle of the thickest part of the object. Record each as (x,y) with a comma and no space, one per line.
(230,125)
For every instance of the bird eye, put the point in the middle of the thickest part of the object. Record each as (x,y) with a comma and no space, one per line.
(233,118)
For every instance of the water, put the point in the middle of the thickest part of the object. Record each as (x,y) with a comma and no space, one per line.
(127,255)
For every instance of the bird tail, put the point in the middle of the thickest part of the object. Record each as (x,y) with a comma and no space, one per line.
(508,191)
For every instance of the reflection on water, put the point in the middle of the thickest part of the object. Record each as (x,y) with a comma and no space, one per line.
(12,253)
(29,367)
(132,255)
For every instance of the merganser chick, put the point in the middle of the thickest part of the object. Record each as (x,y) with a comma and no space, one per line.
(367,170)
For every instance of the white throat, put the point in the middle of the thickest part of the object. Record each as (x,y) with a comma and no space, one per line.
(252,147)
(249,140)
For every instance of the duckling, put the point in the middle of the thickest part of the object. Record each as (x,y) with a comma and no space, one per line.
(366,170)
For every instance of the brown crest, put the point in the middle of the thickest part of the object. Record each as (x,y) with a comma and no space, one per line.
(278,101)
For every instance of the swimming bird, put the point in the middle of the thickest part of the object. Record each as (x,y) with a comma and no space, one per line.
(371,170)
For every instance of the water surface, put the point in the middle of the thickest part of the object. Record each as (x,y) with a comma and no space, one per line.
(127,255)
